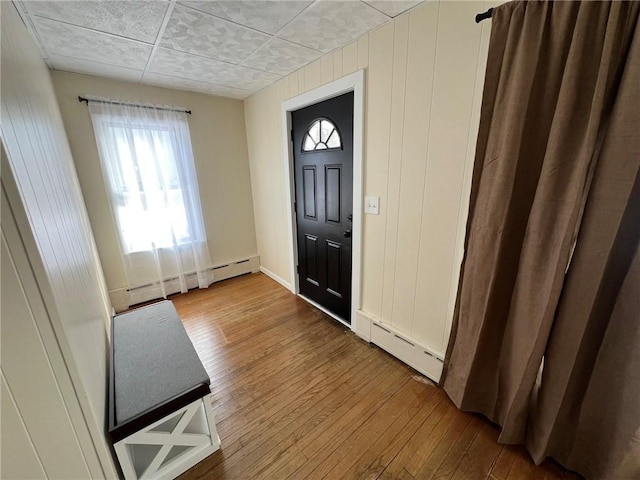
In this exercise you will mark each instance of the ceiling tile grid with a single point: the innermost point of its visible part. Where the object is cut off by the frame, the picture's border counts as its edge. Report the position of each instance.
(78, 65)
(281, 57)
(84, 44)
(392, 8)
(229, 48)
(194, 67)
(199, 33)
(139, 20)
(252, 13)
(328, 25)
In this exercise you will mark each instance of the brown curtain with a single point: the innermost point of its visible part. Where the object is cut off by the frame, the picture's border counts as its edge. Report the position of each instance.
(555, 191)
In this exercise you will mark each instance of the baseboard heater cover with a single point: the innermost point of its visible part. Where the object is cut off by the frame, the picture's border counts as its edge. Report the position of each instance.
(122, 298)
(400, 346)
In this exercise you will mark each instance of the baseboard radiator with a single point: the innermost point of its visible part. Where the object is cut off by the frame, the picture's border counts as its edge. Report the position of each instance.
(123, 298)
(398, 344)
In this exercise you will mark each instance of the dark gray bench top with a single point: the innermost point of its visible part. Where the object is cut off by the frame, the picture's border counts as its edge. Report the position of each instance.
(153, 364)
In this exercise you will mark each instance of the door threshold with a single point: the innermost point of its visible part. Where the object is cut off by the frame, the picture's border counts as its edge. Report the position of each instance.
(320, 307)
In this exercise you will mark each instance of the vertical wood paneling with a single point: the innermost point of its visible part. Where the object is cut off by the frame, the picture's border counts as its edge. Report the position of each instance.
(363, 52)
(453, 90)
(420, 69)
(285, 87)
(257, 112)
(265, 140)
(327, 68)
(40, 401)
(19, 457)
(337, 64)
(350, 58)
(293, 84)
(54, 224)
(273, 173)
(279, 171)
(396, 129)
(301, 81)
(313, 75)
(470, 156)
(424, 81)
(377, 155)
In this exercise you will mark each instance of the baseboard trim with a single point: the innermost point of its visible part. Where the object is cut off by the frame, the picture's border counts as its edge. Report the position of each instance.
(362, 325)
(275, 277)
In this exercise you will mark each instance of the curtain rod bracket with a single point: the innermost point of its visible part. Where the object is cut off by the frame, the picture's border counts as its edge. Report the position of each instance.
(483, 16)
(86, 100)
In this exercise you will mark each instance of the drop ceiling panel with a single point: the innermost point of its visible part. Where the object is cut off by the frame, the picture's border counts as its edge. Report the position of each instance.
(229, 92)
(81, 43)
(177, 83)
(223, 47)
(281, 57)
(193, 67)
(94, 68)
(253, 13)
(392, 8)
(134, 19)
(173, 82)
(193, 86)
(327, 25)
(199, 33)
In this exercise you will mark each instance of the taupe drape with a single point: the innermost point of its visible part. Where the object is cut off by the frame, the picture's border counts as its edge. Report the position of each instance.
(556, 167)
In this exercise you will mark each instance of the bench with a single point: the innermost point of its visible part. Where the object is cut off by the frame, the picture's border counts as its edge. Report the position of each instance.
(160, 417)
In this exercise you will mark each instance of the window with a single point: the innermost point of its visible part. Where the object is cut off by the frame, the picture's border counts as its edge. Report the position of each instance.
(323, 135)
(150, 177)
(148, 196)
(149, 171)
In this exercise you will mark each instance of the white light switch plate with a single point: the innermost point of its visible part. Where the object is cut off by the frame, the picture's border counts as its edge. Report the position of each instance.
(372, 205)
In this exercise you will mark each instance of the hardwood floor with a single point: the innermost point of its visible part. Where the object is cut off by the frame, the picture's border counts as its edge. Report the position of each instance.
(297, 395)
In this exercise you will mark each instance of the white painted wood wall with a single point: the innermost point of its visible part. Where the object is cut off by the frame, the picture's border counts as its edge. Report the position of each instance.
(37, 437)
(424, 80)
(55, 308)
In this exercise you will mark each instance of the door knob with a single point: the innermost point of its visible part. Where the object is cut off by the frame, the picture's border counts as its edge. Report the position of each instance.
(347, 233)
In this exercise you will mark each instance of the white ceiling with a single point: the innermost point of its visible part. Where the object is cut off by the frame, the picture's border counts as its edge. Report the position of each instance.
(219, 47)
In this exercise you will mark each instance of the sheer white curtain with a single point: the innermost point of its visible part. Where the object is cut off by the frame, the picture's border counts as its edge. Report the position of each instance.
(149, 171)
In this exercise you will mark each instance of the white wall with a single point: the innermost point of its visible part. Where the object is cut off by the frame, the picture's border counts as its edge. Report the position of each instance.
(424, 79)
(220, 150)
(44, 196)
(19, 457)
(37, 437)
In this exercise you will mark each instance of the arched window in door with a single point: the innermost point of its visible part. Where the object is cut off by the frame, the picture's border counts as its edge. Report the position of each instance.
(322, 135)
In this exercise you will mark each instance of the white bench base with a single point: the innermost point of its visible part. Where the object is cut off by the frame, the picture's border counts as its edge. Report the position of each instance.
(170, 446)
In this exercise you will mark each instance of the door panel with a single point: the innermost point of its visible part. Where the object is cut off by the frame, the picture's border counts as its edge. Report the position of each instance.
(311, 257)
(323, 164)
(334, 267)
(332, 193)
(309, 186)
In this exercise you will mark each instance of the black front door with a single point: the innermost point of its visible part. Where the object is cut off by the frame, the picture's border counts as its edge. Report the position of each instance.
(323, 159)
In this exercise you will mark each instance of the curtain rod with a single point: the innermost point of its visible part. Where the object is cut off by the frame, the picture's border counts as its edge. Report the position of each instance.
(483, 16)
(87, 100)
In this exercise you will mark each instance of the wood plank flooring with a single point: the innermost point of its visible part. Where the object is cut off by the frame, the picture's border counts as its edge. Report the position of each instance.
(297, 395)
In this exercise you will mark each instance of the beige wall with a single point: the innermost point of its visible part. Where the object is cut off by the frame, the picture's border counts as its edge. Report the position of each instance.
(424, 77)
(55, 309)
(220, 151)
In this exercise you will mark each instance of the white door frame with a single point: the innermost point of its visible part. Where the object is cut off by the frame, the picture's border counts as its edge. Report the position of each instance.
(351, 83)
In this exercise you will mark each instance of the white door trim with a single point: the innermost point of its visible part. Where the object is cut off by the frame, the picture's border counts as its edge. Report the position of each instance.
(351, 83)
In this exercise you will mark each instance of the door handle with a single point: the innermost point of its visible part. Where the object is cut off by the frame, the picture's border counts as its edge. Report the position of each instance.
(347, 233)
